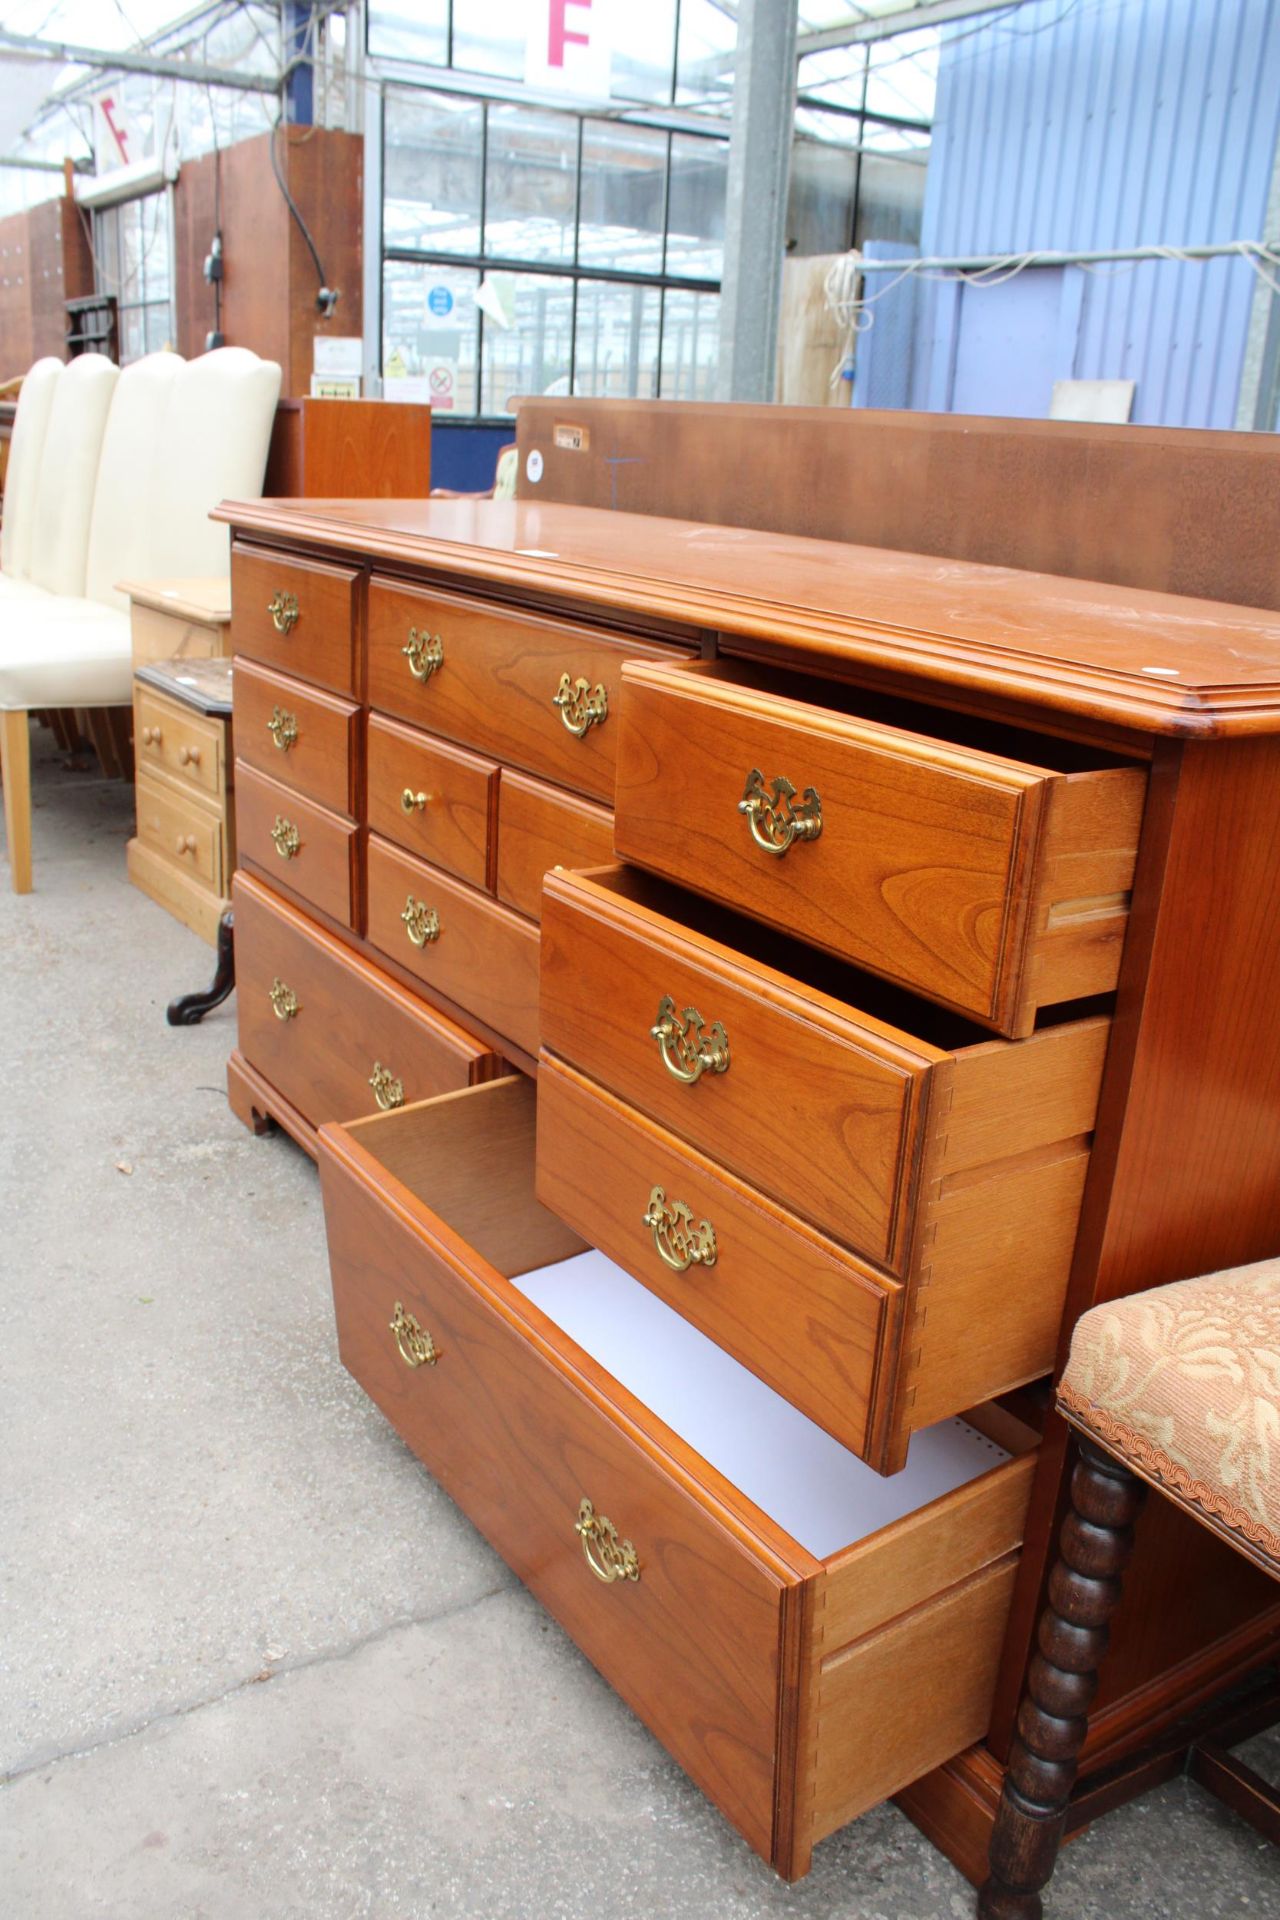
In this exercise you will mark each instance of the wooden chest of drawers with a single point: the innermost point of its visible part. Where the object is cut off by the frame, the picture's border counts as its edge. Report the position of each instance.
(898, 1037)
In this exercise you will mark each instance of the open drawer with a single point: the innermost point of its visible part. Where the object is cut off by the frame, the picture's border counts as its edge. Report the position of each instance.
(803, 1635)
(984, 866)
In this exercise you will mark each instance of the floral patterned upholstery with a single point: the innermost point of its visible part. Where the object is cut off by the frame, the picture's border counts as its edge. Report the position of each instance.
(1183, 1385)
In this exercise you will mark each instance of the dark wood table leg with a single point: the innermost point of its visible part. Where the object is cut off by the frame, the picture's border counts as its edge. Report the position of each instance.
(190, 1008)
(1084, 1588)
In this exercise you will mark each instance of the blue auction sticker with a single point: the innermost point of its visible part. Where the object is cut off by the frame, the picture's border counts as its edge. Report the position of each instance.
(440, 300)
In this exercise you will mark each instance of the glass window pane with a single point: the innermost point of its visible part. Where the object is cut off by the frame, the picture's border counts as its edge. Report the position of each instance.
(158, 326)
(699, 181)
(490, 38)
(708, 41)
(643, 51)
(616, 349)
(430, 326)
(532, 354)
(624, 172)
(410, 30)
(690, 345)
(133, 337)
(431, 178)
(530, 181)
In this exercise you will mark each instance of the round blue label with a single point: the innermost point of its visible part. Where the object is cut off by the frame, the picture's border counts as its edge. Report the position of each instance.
(440, 300)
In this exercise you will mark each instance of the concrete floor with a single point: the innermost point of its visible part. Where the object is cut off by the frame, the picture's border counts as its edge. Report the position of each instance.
(253, 1664)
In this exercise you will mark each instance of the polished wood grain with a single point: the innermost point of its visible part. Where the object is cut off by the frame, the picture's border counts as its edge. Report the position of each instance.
(1177, 510)
(456, 827)
(345, 449)
(724, 1645)
(349, 1018)
(540, 827)
(953, 629)
(496, 688)
(319, 646)
(185, 745)
(804, 1315)
(929, 860)
(182, 828)
(323, 869)
(316, 754)
(485, 959)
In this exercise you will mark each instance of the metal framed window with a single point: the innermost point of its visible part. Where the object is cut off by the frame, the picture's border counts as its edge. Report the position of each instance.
(133, 259)
(534, 249)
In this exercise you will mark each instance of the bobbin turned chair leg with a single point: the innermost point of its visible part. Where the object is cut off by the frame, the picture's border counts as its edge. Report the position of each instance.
(1084, 1588)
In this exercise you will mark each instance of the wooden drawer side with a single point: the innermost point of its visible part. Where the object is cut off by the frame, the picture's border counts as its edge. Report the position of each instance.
(540, 827)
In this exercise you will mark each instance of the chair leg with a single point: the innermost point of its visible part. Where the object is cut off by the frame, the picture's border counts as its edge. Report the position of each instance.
(15, 769)
(1084, 1588)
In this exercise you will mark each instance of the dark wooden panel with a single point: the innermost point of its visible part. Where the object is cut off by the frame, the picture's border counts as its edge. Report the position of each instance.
(1171, 508)
(349, 449)
(325, 171)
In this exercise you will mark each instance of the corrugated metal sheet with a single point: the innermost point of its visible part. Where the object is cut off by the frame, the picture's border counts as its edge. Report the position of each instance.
(1107, 123)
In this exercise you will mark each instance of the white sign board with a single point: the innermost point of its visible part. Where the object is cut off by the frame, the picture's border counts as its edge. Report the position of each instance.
(569, 48)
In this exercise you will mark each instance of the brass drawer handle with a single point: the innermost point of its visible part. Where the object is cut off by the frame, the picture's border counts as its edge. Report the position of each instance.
(689, 1048)
(186, 843)
(151, 736)
(387, 1090)
(422, 923)
(425, 653)
(678, 1240)
(608, 1557)
(188, 756)
(417, 1348)
(581, 705)
(774, 822)
(283, 728)
(287, 838)
(284, 1001)
(411, 802)
(283, 608)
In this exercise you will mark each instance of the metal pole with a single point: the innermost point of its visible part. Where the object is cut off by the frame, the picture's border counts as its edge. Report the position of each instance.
(764, 111)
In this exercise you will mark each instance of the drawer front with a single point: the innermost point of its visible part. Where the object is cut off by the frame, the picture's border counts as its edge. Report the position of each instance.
(785, 1301)
(182, 829)
(331, 1033)
(498, 680)
(783, 1085)
(301, 845)
(188, 747)
(538, 828)
(297, 615)
(479, 955)
(437, 801)
(909, 856)
(296, 734)
(692, 1645)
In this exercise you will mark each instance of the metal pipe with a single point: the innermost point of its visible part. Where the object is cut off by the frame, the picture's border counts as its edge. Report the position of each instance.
(1097, 256)
(22, 47)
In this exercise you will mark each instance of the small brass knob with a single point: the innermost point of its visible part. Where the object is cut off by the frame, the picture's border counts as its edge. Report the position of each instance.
(287, 838)
(283, 608)
(608, 1557)
(417, 1348)
(581, 705)
(411, 802)
(424, 652)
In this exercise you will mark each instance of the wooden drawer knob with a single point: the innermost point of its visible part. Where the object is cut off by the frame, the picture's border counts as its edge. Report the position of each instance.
(287, 838)
(186, 843)
(608, 1557)
(151, 736)
(774, 822)
(688, 1047)
(417, 1348)
(680, 1242)
(581, 705)
(188, 756)
(283, 608)
(424, 652)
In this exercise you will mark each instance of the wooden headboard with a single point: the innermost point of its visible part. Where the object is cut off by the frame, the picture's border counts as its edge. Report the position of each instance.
(1176, 509)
